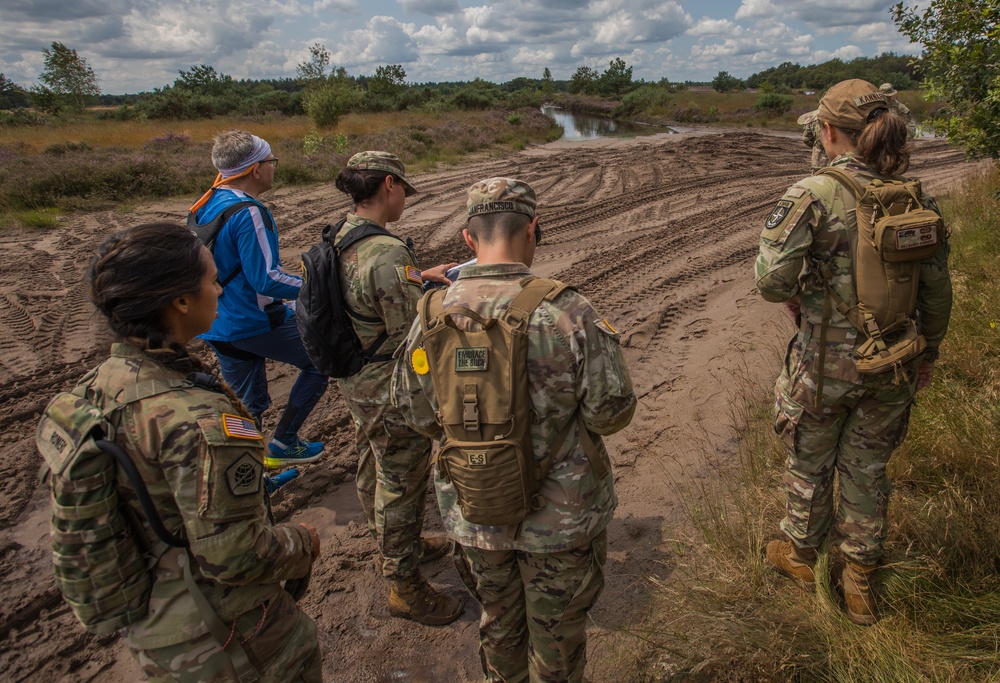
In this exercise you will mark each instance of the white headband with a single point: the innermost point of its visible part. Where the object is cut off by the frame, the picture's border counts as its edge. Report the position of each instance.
(261, 150)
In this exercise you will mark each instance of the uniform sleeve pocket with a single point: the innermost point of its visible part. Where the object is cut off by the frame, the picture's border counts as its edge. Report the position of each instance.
(617, 378)
(230, 482)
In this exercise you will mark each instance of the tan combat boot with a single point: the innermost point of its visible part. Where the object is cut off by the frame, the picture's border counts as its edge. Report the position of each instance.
(859, 595)
(433, 547)
(794, 562)
(414, 598)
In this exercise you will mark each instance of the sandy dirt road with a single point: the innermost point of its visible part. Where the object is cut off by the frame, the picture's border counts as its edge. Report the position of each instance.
(659, 233)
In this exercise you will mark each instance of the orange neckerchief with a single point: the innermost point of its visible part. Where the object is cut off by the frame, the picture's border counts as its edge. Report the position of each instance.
(219, 181)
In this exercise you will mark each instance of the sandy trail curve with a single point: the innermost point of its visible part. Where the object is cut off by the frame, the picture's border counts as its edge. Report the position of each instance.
(659, 233)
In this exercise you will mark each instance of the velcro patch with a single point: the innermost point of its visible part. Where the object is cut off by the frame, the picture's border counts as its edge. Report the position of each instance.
(244, 475)
(779, 214)
(476, 458)
(472, 359)
(914, 238)
(237, 427)
(413, 275)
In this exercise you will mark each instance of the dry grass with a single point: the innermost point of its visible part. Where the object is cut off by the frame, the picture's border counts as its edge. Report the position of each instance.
(729, 617)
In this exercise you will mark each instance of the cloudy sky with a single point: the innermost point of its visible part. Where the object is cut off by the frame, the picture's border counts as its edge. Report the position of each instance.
(136, 45)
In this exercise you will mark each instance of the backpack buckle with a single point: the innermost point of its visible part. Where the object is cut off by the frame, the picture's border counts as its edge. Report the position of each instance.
(470, 408)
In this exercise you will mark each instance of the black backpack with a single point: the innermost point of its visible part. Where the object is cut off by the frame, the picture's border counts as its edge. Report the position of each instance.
(207, 232)
(323, 318)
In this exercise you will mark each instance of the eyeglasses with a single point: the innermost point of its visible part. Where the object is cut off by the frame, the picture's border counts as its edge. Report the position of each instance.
(271, 161)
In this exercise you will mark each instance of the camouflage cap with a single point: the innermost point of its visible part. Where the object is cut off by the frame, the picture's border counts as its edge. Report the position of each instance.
(849, 104)
(808, 117)
(501, 195)
(381, 161)
(887, 89)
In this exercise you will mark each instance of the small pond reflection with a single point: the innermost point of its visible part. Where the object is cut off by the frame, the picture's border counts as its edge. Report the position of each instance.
(586, 127)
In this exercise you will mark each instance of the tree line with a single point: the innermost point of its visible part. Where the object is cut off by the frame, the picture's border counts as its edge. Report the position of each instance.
(952, 32)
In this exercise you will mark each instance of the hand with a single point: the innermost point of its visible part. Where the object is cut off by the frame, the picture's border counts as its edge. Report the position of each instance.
(793, 307)
(314, 536)
(925, 373)
(437, 273)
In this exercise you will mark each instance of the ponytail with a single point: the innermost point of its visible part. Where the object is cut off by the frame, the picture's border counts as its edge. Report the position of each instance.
(883, 144)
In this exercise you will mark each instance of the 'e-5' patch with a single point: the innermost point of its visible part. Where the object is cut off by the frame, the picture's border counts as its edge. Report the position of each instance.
(472, 359)
(779, 214)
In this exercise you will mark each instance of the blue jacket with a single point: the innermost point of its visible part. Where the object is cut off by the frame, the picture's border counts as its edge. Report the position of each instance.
(248, 239)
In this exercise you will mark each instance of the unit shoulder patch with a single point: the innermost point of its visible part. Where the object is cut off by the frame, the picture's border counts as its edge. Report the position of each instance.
(244, 475)
(778, 214)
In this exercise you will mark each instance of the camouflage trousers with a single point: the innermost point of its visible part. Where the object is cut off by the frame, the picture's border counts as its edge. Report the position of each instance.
(533, 625)
(849, 436)
(281, 644)
(393, 463)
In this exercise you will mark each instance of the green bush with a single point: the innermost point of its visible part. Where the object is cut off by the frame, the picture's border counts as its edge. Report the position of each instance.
(326, 104)
(773, 104)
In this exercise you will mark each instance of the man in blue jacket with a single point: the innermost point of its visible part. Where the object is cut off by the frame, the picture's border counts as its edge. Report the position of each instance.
(253, 323)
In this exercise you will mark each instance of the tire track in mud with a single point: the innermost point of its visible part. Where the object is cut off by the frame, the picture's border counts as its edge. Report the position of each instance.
(649, 230)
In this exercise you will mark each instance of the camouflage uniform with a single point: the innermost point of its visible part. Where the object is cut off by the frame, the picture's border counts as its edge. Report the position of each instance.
(536, 581)
(904, 112)
(854, 426)
(188, 462)
(380, 279)
(817, 158)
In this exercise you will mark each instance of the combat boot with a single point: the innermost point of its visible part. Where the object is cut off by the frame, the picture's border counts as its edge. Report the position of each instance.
(413, 598)
(433, 547)
(856, 580)
(794, 562)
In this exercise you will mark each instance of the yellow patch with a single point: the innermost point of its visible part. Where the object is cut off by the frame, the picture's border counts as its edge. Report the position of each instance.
(608, 325)
(413, 275)
(237, 427)
(418, 359)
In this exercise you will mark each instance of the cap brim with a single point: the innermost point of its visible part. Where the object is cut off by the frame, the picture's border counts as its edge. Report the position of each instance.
(808, 117)
(409, 189)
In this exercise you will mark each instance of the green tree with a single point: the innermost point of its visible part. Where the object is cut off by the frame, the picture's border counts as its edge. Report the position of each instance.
(326, 102)
(388, 80)
(960, 65)
(582, 81)
(204, 80)
(11, 94)
(723, 82)
(68, 75)
(548, 85)
(315, 69)
(617, 80)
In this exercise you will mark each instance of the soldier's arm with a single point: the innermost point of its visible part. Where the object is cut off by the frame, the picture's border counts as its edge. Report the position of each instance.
(217, 484)
(394, 289)
(784, 244)
(412, 390)
(604, 386)
(934, 294)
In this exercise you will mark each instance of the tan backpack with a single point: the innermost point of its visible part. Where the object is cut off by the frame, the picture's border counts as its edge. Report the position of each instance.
(894, 234)
(481, 384)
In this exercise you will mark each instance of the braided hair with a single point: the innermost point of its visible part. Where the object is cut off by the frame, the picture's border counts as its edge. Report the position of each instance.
(135, 275)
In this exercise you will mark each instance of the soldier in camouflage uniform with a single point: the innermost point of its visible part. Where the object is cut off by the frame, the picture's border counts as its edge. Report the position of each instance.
(537, 580)
(900, 108)
(852, 428)
(810, 136)
(382, 285)
(201, 458)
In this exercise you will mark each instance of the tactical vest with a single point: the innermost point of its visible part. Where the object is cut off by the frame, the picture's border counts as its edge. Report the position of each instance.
(103, 558)
(480, 381)
(892, 234)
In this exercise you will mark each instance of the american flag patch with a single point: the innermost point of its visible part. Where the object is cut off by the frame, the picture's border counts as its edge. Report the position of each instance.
(237, 427)
(413, 275)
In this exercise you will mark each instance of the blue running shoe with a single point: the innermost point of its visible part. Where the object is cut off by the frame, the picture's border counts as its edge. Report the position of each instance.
(298, 453)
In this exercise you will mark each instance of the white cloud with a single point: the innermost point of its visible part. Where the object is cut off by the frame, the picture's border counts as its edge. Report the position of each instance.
(714, 27)
(384, 40)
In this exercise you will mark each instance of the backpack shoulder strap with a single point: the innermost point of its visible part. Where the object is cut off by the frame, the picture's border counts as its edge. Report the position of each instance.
(358, 233)
(845, 179)
(534, 290)
(431, 308)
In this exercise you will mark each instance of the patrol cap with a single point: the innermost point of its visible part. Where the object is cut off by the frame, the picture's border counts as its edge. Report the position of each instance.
(501, 195)
(381, 161)
(849, 104)
(807, 118)
(887, 89)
